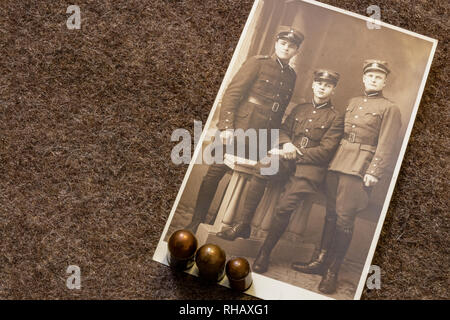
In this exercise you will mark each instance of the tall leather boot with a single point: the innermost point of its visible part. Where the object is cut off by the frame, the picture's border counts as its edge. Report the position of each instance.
(342, 242)
(205, 196)
(279, 225)
(319, 263)
(242, 229)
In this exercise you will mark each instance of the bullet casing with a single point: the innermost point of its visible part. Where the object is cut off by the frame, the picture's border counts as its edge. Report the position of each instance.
(182, 246)
(239, 274)
(210, 260)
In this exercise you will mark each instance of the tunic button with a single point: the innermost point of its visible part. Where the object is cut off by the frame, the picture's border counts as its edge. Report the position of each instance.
(372, 171)
(323, 127)
(314, 111)
(281, 83)
(226, 127)
(374, 165)
(374, 114)
(377, 159)
(360, 108)
(365, 100)
(267, 80)
(353, 126)
(310, 120)
(229, 112)
(356, 117)
(296, 119)
(307, 130)
(270, 118)
(227, 120)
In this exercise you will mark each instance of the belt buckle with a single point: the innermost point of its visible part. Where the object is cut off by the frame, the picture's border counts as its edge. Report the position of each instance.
(275, 106)
(304, 142)
(352, 137)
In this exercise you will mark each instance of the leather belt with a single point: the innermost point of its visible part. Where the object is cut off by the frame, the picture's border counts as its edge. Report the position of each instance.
(353, 138)
(264, 102)
(306, 142)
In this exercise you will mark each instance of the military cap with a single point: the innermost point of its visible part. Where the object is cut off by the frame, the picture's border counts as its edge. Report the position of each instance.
(377, 65)
(326, 75)
(290, 34)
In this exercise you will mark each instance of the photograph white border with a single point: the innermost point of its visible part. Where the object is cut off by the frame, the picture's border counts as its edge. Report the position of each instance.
(281, 290)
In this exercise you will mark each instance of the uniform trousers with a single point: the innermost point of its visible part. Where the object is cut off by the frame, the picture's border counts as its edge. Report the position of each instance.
(346, 196)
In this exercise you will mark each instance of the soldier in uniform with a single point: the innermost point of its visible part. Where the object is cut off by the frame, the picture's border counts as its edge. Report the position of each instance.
(372, 123)
(256, 98)
(309, 138)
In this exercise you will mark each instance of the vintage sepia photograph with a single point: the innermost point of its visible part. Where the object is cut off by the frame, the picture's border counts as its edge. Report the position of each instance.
(327, 98)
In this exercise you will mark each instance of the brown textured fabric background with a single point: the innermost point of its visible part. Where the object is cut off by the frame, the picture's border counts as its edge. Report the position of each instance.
(85, 123)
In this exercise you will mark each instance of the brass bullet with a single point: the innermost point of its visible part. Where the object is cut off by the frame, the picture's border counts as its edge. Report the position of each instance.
(210, 260)
(182, 246)
(239, 274)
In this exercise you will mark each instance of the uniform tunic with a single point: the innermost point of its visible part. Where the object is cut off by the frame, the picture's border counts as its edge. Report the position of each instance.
(371, 127)
(372, 123)
(316, 130)
(258, 95)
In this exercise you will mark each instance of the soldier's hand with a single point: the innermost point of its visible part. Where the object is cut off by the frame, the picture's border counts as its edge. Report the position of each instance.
(289, 151)
(226, 136)
(369, 180)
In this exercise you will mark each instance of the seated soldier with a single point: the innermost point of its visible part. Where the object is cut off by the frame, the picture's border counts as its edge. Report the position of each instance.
(308, 137)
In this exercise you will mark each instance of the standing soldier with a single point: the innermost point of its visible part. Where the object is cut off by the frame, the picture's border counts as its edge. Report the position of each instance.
(372, 123)
(256, 98)
(309, 136)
